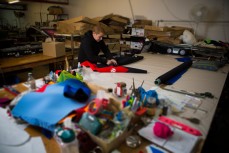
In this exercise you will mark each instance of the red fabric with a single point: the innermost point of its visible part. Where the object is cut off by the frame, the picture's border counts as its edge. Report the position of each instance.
(162, 130)
(79, 112)
(113, 69)
(42, 89)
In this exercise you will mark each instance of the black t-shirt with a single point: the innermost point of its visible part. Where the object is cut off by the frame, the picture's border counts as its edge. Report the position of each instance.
(90, 48)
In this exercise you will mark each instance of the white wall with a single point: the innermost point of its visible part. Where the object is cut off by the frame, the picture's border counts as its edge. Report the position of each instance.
(146, 9)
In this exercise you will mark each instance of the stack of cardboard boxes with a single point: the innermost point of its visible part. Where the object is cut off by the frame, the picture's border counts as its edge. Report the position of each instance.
(111, 23)
(114, 25)
(165, 34)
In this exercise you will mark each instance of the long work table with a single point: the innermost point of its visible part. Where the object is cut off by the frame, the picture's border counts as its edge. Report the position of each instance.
(194, 80)
(29, 61)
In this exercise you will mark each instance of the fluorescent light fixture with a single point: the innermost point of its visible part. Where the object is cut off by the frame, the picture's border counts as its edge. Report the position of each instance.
(13, 1)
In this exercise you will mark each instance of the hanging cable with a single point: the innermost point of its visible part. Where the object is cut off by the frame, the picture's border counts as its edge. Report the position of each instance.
(224, 17)
(41, 14)
(131, 9)
(167, 8)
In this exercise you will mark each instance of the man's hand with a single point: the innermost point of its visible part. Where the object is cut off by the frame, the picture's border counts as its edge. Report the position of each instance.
(112, 62)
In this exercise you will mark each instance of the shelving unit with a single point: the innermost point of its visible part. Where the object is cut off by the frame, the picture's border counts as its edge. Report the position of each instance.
(134, 41)
(137, 38)
(65, 36)
(58, 17)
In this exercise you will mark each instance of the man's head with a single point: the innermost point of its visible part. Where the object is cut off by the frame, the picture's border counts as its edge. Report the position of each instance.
(98, 33)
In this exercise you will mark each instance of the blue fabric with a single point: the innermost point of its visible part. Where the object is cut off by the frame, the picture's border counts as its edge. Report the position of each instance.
(146, 94)
(183, 59)
(80, 93)
(175, 78)
(155, 150)
(48, 108)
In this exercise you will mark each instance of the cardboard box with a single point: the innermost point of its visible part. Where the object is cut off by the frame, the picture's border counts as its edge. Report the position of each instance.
(156, 28)
(172, 33)
(73, 28)
(54, 49)
(108, 145)
(81, 19)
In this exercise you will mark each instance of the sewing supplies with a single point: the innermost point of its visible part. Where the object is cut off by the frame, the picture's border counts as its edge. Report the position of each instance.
(162, 130)
(90, 123)
(99, 103)
(194, 94)
(120, 89)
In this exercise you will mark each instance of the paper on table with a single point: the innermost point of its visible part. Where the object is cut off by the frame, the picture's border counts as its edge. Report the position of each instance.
(10, 134)
(35, 145)
(174, 99)
(147, 132)
(179, 142)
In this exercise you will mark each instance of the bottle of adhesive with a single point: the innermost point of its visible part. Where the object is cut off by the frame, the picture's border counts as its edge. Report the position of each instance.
(31, 81)
(67, 140)
(80, 69)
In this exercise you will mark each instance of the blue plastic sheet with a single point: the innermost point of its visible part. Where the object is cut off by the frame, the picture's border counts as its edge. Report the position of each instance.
(48, 108)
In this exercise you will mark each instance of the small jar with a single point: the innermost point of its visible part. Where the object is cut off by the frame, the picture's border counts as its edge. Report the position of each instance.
(31, 81)
(67, 140)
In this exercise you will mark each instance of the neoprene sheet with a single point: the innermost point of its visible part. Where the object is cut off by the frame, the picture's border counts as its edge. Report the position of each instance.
(47, 108)
(174, 74)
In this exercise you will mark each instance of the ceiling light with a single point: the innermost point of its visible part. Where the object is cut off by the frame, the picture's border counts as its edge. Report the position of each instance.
(13, 1)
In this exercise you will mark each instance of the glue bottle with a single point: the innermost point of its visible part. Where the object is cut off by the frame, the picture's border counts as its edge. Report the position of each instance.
(79, 72)
(31, 81)
(67, 140)
(80, 69)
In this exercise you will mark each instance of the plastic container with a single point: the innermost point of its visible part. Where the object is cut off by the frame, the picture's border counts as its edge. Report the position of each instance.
(31, 81)
(67, 140)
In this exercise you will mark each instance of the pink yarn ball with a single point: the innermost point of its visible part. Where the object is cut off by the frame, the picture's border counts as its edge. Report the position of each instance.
(162, 130)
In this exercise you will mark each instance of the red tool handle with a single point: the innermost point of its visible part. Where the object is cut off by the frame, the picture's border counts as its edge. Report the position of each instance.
(179, 125)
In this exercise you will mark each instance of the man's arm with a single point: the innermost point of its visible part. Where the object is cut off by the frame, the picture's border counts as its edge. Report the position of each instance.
(107, 53)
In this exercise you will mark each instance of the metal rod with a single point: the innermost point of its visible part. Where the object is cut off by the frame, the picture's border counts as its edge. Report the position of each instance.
(204, 21)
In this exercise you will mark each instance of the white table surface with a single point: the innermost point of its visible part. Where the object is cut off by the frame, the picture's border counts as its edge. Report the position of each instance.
(194, 80)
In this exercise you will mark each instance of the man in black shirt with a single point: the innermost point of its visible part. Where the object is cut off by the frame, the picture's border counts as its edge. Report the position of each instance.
(92, 44)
